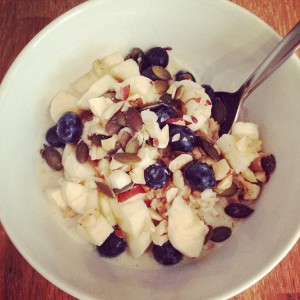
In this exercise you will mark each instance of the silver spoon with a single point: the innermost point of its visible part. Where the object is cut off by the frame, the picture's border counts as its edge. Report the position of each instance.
(228, 105)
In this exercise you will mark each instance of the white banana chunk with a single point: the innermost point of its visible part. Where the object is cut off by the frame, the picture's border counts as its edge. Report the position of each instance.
(73, 170)
(248, 129)
(125, 70)
(79, 197)
(108, 61)
(221, 169)
(140, 87)
(101, 86)
(186, 231)
(82, 84)
(55, 195)
(105, 208)
(94, 227)
(119, 179)
(62, 103)
(137, 245)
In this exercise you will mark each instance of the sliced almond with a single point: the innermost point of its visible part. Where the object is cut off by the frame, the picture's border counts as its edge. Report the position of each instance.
(179, 92)
(124, 139)
(120, 119)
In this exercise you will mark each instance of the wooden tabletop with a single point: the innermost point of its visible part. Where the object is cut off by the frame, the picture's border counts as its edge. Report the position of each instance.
(20, 20)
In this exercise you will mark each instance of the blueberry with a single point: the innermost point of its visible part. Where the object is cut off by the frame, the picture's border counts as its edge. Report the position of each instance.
(156, 175)
(149, 74)
(209, 91)
(157, 56)
(199, 176)
(52, 138)
(166, 254)
(113, 246)
(184, 75)
(69, 128)
(164, 113)
(181, 138)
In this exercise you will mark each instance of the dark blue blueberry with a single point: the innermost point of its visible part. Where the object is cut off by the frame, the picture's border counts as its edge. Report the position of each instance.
(166, 254)
(156, 175)
(149, 74)
(199, 176)
(53, 139)
(184, 75)
(164, 113)
(209, 91)
(69, 128)
(157, 56)
(181, 138)
(113, 246)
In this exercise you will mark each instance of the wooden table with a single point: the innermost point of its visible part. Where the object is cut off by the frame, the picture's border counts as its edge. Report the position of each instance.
(20, 20)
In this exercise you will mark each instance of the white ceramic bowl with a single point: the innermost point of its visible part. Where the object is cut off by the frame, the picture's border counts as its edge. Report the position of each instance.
(223, 43)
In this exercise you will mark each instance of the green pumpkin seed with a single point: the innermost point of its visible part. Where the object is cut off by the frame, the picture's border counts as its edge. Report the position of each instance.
(82, 152)
(161, 73)
(161, 86)
(52, 158)
(133, 119)
(105, 189)
(112, 128)
(218, 111)
(209, 234)
(238, 210)
(209, 148)
(220, 234)
(127, 158)
(132, 146)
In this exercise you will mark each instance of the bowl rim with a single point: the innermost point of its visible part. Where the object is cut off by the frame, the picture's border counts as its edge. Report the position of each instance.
(4, 85)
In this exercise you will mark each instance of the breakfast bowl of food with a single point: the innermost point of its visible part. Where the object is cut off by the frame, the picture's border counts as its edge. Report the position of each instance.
(119, 182)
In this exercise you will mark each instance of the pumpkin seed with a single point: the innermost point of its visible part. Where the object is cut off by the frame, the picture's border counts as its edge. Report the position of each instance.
(97, 138)
(268, 163)
(52, 157)
(218, 111)
(161, 86)
(220, 234)
(238, 210)
(208, 148)
(127, 158)
(179, 92)
(105, 189)
(134, 119)
(120, 119)
(209, 234)
(111, 127)
(232, 190)
(124, 189)
(138, 55)
(125, 137)
(161, 73)
(132, 146)
(82, 152)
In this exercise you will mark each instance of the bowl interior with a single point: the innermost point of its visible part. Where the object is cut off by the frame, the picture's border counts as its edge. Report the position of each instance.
(222, 44)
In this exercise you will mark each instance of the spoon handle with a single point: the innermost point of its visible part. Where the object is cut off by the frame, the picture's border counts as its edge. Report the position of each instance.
(276, 58)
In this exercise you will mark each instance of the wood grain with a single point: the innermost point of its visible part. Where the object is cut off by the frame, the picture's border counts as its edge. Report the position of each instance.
(20, 20)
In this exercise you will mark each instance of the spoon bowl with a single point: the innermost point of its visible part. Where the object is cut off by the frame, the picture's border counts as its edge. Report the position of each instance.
(228, 105)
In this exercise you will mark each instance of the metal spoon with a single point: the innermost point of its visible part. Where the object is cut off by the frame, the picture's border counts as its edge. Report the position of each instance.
(228, 105)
